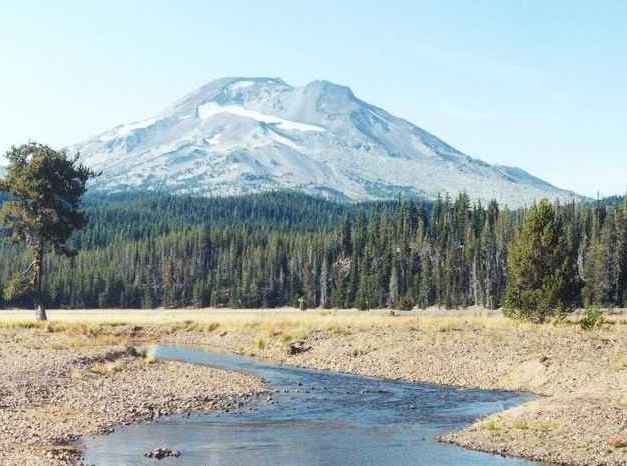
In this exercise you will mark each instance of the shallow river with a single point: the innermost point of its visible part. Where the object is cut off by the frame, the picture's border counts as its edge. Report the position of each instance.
(316, 418)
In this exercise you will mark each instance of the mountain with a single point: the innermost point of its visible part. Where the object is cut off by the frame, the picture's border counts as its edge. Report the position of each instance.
(245, 135)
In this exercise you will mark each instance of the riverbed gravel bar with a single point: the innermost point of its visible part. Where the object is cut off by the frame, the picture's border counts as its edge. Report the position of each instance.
(55, 389)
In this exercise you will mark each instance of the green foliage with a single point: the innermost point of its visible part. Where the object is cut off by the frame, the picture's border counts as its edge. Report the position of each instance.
(42, 211)
(541, 270)
(45, 189)
(406, 303)
(606, 257)
(17, 287)
(271, 249)
(592, 318)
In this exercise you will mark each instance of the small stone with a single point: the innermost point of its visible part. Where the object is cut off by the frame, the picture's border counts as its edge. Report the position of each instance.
(160, 453)
(297, 347)
(619, 440)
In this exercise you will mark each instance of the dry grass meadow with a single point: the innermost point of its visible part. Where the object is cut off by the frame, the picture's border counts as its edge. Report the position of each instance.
(282, 320)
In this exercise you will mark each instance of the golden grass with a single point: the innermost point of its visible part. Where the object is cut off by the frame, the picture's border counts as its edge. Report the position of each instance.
(95, 327)
(260, 343)
(618, 361)
(534, 425)
(491, 425)
(111, 367)
(496, 423)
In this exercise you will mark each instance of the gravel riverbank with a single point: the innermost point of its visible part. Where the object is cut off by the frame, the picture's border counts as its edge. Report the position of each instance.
(55, 388)
(579, 417)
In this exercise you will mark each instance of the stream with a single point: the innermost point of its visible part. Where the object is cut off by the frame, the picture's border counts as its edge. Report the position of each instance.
(315, 418)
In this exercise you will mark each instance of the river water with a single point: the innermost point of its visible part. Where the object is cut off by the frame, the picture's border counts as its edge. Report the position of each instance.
(315, 418)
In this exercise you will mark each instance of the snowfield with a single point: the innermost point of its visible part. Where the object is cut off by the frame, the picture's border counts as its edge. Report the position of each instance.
(210, 109)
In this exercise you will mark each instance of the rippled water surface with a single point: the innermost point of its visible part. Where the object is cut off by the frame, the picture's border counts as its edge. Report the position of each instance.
(316, 418)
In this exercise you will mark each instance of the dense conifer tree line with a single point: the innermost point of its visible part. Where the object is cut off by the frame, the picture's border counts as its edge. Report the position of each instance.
(273, 249)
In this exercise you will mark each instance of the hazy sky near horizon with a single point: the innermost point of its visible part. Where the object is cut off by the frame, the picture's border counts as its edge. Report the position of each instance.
(534, 84)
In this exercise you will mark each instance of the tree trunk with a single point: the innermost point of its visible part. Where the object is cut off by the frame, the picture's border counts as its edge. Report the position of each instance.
(41, 312)
(40, 301)
(475, 281)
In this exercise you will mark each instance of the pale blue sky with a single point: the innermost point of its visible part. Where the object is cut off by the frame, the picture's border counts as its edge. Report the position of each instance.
(536, 84)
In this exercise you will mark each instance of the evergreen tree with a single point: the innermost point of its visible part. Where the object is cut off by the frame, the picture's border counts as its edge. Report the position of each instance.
(324, 283)
(43, 210)
(393, 293)
(542, 277)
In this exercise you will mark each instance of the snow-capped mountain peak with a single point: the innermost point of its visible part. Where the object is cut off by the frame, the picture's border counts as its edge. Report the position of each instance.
(240, 135)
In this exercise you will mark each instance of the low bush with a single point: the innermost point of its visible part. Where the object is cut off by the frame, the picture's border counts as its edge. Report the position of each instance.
(592, 318)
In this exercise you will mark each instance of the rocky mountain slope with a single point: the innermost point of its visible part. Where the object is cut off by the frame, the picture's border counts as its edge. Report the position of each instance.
(244, 135)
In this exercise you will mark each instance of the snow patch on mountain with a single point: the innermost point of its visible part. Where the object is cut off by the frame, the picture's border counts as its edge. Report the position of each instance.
(242, 85)
(124, 130)
(210, 109)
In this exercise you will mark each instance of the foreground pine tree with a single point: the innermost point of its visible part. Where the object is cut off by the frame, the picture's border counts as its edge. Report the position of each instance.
(45, 189)
(542, 277)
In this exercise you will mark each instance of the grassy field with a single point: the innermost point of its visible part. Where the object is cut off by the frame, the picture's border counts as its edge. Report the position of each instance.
(250, 331)
(289, 323)
(320, 319)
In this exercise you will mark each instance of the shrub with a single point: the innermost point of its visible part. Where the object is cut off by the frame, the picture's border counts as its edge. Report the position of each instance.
(406, 303)
(592, 318)
(490, 425)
